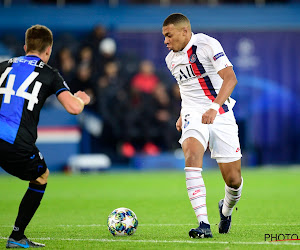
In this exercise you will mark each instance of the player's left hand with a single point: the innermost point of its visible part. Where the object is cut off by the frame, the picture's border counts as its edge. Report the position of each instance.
(209, 116)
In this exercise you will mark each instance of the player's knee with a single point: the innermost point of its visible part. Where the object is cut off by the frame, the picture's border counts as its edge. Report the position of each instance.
(192, 159)
(234, 181)
(43, 178)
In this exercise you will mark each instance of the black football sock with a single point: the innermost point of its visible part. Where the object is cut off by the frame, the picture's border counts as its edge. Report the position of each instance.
(28, 206)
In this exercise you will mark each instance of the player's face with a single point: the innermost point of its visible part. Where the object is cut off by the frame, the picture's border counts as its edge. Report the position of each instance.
(175, 37)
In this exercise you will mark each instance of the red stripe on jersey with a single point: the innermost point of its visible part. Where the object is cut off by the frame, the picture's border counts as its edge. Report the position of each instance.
(201, 80)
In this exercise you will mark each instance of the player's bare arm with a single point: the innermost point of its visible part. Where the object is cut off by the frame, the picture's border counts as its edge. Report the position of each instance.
(229, 82)
(74, 104)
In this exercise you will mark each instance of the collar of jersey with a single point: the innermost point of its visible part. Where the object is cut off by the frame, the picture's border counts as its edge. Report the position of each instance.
(32, 56)
(191, 42)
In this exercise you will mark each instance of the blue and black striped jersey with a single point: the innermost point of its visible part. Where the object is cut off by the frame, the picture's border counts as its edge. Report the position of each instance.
(25, 84)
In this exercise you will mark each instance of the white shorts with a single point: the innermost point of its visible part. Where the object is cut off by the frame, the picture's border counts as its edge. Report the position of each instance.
(221, 136)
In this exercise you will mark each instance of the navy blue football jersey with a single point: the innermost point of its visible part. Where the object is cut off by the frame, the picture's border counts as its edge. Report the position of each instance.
(25, 84)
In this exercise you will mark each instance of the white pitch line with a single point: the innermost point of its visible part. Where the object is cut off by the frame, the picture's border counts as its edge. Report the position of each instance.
(200, 241)
(150, 225)
(168, 225)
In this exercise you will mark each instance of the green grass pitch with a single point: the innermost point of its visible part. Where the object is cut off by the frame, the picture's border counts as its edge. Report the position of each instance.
(74, 210)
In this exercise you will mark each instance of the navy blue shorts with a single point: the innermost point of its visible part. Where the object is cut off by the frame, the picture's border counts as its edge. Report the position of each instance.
(24, 164)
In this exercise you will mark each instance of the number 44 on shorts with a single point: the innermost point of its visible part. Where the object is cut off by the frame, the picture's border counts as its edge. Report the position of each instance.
(8, 91)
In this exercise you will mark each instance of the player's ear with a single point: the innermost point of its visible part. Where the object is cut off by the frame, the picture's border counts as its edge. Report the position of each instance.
(25, 48)
(185, 30)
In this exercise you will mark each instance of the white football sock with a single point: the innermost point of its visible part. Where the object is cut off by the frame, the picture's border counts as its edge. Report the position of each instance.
(197, 192)
(232, 196)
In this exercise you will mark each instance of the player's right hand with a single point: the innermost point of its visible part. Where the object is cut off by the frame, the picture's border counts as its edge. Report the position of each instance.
(179, 124)
(83, 96)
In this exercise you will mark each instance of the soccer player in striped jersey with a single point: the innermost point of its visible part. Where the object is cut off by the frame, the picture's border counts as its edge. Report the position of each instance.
(25, 84)
(206, 80)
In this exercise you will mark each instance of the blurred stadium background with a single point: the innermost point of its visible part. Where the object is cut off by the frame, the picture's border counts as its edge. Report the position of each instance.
(114, 50)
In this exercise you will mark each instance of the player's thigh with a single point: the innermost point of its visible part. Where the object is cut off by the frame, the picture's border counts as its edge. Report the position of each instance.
(192, 126)
(224, 141)
(26, 165)
(194, 138)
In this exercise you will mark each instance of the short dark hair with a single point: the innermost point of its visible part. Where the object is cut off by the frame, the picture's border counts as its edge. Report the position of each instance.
(176, 18)
(38, 38)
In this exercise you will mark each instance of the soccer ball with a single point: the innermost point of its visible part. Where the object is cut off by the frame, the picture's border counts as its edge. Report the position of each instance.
(122, 221)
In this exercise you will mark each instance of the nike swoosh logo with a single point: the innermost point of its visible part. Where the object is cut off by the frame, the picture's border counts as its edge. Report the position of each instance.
(32, 157)
(19, 244)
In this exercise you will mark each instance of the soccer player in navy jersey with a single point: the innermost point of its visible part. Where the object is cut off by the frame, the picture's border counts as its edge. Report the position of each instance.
(25, 84)
(206, 80)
